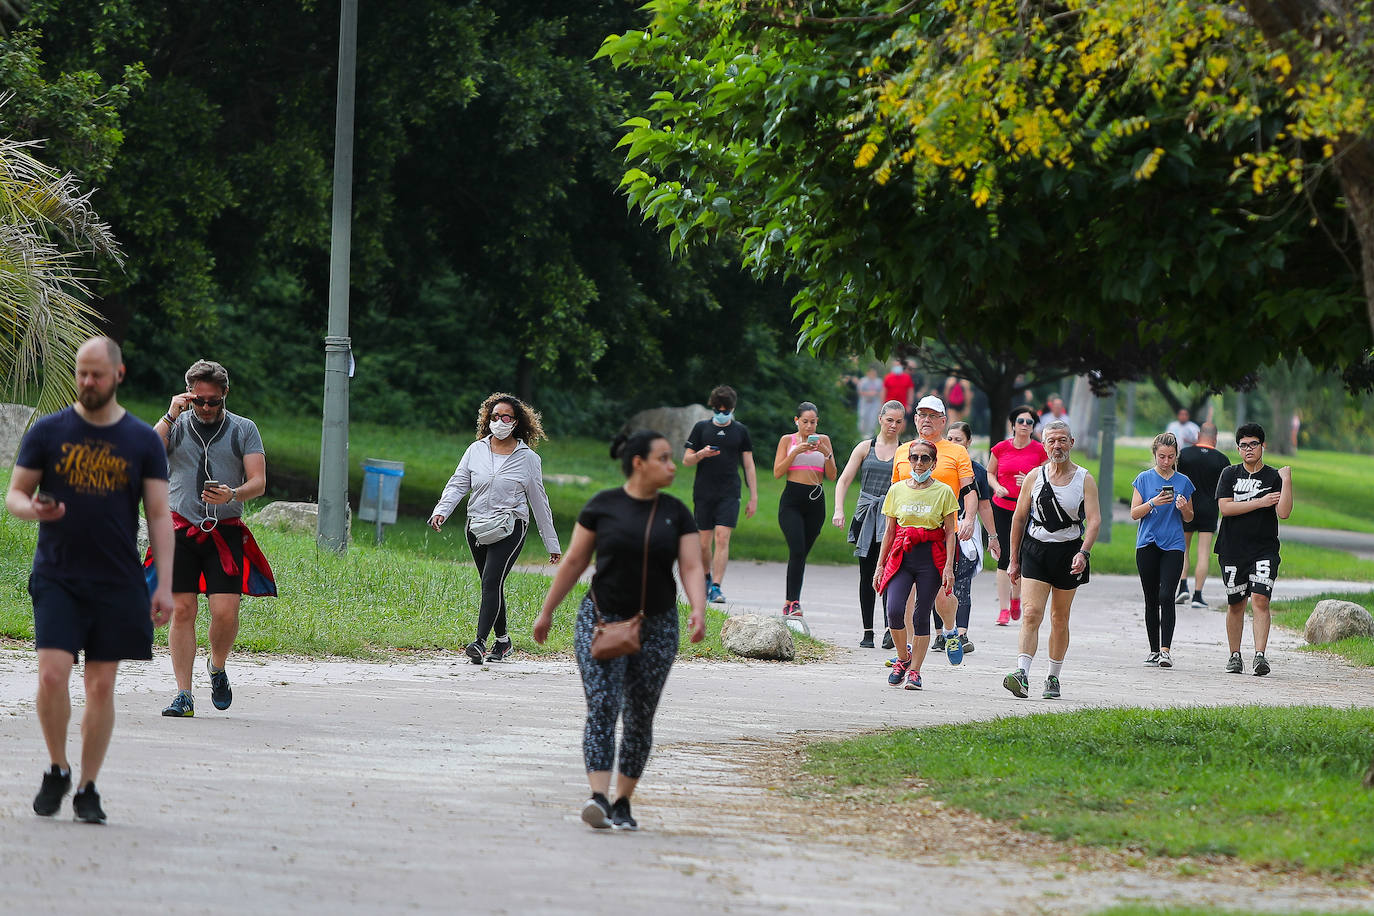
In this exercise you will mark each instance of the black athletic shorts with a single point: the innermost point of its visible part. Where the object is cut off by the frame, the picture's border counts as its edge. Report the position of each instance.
(1050, 562)
(1001, 519)
(191, 560)
(110, 622)
(1205, 518)
(712, 510)
(1243, 578)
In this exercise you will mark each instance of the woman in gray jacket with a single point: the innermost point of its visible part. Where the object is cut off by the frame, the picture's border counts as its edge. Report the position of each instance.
(505, 479)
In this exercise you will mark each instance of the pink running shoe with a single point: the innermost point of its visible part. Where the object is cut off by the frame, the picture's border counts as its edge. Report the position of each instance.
(1016, 611)
(1003, 617)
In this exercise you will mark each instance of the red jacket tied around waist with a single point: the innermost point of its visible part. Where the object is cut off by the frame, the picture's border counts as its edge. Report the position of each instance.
(904, 540)
(256, 576)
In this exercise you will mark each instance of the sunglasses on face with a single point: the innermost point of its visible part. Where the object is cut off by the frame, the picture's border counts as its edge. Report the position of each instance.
(207, 402)
(508, 417)
(1024, 421)
(922, 459)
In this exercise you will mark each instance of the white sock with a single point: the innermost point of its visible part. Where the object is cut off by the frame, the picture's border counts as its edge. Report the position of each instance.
(1056, 667)
(1024, 662)
(952, 634)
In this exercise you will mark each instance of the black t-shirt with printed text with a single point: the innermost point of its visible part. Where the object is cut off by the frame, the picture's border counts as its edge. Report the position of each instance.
(618, 520)
(98, 472)
(1256, 533)
(719, 474)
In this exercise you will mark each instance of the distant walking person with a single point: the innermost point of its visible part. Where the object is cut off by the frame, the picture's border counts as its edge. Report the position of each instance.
(1202, 464)
(1161, 501)
(1011, 461)
(506, 480)
(870, 391)
(957, 394)
(637, 532)
(718, 448)
(1184, 429)
(968, 558)
(1251, 497)
(80, 473)
(217, 464)
(806, 458)
(898, 386)
(1052, 533)
(871, 462)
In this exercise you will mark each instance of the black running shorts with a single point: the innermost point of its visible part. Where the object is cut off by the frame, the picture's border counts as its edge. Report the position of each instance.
(109, 621)
(716, 510)
(1050, 562)
(1243, 578)
(191, 560)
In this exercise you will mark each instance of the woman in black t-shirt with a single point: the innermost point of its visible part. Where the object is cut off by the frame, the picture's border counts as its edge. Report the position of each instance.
(612, 526)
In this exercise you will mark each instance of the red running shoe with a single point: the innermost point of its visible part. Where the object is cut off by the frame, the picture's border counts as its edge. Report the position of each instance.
(1003, 617)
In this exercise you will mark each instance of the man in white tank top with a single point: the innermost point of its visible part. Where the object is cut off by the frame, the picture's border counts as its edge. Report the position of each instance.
(1052, 532)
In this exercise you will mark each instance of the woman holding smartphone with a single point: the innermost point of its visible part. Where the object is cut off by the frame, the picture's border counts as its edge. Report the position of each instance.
(1161, 501)
(806, 458)
(1011, 460)
(506, 480)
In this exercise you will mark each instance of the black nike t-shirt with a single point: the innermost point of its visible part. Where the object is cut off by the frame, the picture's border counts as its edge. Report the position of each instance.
(618, 521)
(719, 474)
(1203, 466)
(1256, 533)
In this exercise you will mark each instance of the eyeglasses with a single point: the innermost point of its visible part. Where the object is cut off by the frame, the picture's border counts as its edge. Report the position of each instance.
(207, 402)
(1248, 445)
(922, 459)
(508, 417)
(1024, 421)
(928, 414)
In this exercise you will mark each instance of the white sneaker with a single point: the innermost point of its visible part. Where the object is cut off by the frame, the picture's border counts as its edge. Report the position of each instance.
(1152, 660)
(1181, 597)
(1200, 604)
(1164, 660)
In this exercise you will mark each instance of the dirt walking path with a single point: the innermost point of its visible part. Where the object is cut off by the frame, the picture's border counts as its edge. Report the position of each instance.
(439, 786)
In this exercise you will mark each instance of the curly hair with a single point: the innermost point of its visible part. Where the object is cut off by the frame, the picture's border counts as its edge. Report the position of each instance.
(527, 420)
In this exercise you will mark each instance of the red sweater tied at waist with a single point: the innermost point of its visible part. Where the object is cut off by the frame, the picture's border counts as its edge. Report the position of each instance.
(255, 577)
(904, 540)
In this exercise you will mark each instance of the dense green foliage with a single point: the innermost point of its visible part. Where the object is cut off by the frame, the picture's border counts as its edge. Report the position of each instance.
(490, 249)
(1277, 787)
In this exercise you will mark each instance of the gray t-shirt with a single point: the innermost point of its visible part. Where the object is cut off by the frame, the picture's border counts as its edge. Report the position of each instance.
(227, 442)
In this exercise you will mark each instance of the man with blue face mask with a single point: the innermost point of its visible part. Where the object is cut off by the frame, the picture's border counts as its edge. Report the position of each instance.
(717, 448)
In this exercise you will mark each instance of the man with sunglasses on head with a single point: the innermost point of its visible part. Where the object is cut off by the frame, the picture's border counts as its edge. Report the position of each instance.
(217, 463)
(1251, 497)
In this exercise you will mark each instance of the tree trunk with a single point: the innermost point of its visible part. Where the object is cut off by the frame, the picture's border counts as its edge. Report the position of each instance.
(524, 379)
(1355, 171)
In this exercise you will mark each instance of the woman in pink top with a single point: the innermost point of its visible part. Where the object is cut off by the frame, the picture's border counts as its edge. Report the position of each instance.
(805, 458)
(1011, 460)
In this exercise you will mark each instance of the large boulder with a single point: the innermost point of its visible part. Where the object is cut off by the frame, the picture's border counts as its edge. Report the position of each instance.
(756, 636)
(299, 518)
(674, 422)
(1333, 620)
(14, 419)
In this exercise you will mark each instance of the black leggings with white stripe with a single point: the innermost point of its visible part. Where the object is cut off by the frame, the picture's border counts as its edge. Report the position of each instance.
(625, 688)
(494, 562)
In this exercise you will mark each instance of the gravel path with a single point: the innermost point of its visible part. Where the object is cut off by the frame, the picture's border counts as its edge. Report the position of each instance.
(436, 785)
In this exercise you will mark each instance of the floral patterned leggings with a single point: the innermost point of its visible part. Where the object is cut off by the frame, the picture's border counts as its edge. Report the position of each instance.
(625, 688)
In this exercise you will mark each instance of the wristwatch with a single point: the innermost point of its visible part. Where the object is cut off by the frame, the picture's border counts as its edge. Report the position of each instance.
(233, 494)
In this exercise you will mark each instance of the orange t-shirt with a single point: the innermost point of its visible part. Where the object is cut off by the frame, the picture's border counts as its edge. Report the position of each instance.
(952, 465)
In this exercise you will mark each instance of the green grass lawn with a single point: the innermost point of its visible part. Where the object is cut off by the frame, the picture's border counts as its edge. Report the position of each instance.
(293, 454)
(1273, 787)
(1293, 614)
(365, 604)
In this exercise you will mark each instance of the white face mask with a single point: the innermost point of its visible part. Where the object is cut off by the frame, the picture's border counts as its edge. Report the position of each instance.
(502, 429)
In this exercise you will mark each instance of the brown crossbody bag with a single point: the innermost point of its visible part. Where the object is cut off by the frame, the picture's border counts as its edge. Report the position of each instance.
(622, 637)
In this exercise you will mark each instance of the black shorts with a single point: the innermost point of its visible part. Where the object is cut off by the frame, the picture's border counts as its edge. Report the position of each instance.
(1049, 561)
(1205, 518)
(111, 622)
(1001, 519)
(192, 560)
(713, 510)
(1243, 578)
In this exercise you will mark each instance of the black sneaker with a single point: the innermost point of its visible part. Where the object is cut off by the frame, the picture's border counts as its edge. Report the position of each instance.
(939, 644)
(56, 785)
(477, 651)
(597, 812)
(964, 641)
(867, 641)
(182, 706)
(1261, 665)
(220, 694)
(1182, 596)
(86, 805)
(1018, 683)
(620, 815)
(501, 649)
(1235, 664)
(1152, 660)
(887, 640)
(1051, 688)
